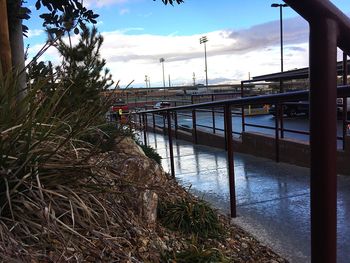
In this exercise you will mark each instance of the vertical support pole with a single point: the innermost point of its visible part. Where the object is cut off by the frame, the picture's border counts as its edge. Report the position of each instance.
(194, 126)
(154, 122)
(323, 142)
(140, 121)
(280, 116)
(281, 110)
(345, 99)
(277, 128)
(163, 113)
(213, 114)
(144, 122)
(171, 145)
(243, 115)
(176, 124)
(231, 169)
(225, 128)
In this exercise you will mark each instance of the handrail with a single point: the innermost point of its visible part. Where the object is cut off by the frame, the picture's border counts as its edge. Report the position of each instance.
(329, 29)
(216, 94)
(342, 91)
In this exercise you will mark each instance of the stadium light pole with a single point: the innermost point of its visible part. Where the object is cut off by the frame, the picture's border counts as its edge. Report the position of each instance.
(280, 110)
(161, 60)
(281, 29)
(146, 80)
(204, 40)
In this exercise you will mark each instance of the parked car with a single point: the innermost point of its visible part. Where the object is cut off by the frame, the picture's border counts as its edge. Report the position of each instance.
(292, 109)
(161, 105)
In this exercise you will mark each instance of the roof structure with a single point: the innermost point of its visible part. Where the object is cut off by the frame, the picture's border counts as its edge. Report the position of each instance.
(302, 73)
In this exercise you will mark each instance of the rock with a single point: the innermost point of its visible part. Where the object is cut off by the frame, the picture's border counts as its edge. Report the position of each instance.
(161, 244)
(244, 245)
(142, 249)
(148, 209)
(128, 146)
(144, 241)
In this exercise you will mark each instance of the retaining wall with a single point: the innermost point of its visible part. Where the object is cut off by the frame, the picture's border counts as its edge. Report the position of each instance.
(262, 145)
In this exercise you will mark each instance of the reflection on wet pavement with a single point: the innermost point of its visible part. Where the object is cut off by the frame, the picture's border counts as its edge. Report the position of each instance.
(272, 198)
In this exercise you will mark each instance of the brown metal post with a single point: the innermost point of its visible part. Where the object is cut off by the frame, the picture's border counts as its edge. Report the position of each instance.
(231, 169)
(154, 122)
(213, 114)
(164, 124)
(194, 127)
(323, 143)
(243, 115)
(175, 123)
(194, 124)
(345, 100)
(280, 116)
(144, 122)
(277, 139)
(171, 145)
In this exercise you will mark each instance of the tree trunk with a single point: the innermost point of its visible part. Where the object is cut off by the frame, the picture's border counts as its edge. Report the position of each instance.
(17, 54)
(17, 49)
(5, 48)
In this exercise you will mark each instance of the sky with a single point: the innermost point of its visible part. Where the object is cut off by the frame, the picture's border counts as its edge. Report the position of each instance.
(243, 39)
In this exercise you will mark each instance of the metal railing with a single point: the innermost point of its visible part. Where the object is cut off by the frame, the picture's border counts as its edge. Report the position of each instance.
(329, 29)
(169, 113)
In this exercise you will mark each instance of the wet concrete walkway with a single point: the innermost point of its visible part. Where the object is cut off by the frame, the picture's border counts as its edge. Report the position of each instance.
(273, 199)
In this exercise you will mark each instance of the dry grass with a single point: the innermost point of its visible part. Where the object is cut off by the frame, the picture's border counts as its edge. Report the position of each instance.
(62, 199)
(57, 204)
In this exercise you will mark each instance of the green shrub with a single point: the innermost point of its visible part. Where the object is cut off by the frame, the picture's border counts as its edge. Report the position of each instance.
(104, 135)
(48, 178)
(192, 217)
(150, 152)
(196, 255)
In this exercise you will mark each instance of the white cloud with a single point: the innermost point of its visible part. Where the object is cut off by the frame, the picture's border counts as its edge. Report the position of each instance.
(50, 54)
(35, 32)
(231, 54)
(102, 3)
